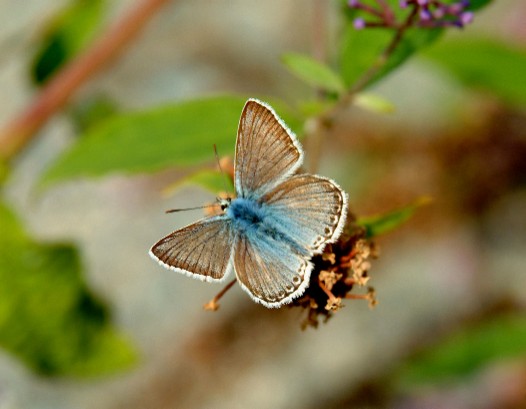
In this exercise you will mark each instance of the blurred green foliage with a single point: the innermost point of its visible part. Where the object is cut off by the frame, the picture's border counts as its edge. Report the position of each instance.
(383, 223)
(374, 103)
(48, 318)
(211, 180)
(468, 350)
(477, 4)
(92, 110)
(67, 34)
(362, 49)
(314, 72)
(484, 64)
(180, 134)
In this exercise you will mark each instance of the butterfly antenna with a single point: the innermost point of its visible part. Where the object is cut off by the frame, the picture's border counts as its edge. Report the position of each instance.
(208, 205)
(190, 208)
(220, 168)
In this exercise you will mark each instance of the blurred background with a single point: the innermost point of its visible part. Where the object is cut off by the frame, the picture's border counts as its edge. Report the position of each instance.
(450, 327)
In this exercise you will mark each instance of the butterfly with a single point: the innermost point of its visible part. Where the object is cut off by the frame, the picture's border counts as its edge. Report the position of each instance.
(277, 222)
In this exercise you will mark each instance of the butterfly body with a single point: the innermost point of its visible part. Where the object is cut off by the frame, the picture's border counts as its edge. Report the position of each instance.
(246, 214)
(269, 232)
(254, 219)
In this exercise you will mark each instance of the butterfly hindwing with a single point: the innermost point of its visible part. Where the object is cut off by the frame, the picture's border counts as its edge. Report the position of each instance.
(270, 271)
(267, 152)
(311, 209)
(202, 249)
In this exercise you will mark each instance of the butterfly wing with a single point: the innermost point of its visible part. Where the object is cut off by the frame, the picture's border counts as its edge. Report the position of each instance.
(200, 250)
(267, 152)
(269, 270)
(310, 209)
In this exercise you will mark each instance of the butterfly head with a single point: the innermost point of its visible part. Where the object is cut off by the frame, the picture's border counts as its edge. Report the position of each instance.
(224, 203)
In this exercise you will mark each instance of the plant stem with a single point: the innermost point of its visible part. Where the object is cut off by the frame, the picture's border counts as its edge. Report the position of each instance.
(16, 134)
(384, 57)
(380, 62)
(319, 51)
(213, 305)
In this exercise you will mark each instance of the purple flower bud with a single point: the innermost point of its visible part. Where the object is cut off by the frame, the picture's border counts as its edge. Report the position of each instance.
(438, 14)
(353, 3)
(359, 23)
(466, 17)
(403, 4)
(422, 2)
(425, 15)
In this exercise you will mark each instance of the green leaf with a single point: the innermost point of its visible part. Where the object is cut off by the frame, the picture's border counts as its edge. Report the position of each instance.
(310, 108)
(69, 33)
(181, 134)
(478, 4)
(92, 110)
(361, 51)
(48, 318)
(211, 180)
(373, 103)
(485, 64)
(380, 224)
(4, 171)
(314, 72)
(467, 351)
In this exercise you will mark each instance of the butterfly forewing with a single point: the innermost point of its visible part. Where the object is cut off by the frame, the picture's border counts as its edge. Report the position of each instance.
(201, 250)
(267, 152)
(309, 208)
(269, 270)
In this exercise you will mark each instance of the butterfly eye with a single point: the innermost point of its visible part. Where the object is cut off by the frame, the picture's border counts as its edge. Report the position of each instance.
(225, 203)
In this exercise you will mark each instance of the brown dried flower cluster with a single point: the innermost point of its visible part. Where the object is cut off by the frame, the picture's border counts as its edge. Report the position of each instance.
(342, 266)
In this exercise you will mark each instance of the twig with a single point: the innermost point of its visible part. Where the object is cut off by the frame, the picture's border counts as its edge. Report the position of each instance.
(384, 57)
(213, 305)
(61, 87)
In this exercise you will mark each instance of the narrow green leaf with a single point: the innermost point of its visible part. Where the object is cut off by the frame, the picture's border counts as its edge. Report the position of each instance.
(380, 224)
(374, 103)
(91, 110)
(48, 318)
(175, 135)
(69, 33)
(310, 108)
(467, 351)
(314, 72)
(485, 64)
(211, 180)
